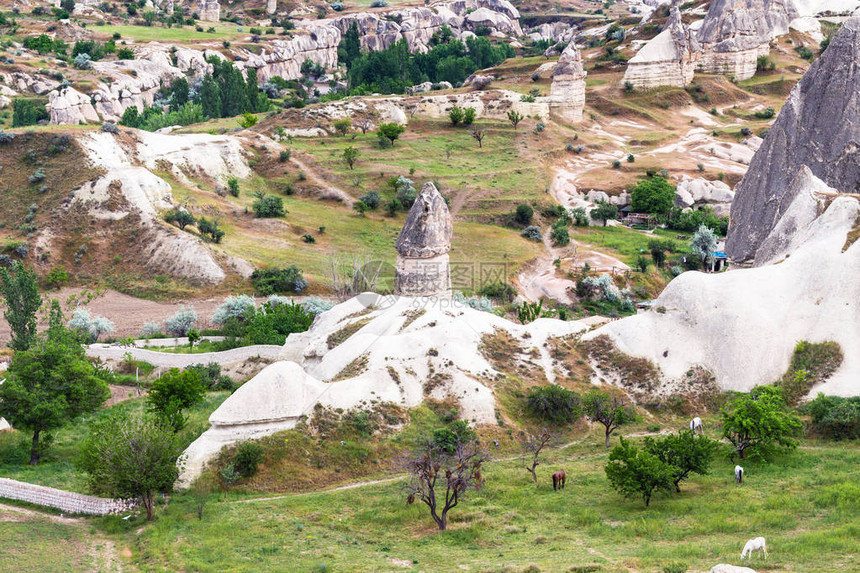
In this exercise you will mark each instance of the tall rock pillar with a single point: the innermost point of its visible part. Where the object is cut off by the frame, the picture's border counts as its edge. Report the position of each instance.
(422, 267)
(567, 92)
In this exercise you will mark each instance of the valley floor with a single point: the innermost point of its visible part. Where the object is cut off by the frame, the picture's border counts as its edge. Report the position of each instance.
(804, 503)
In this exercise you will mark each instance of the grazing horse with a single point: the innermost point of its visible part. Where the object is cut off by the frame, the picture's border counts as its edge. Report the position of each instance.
(756, 544)
(558, 479)
(739, 474)
(697, 426)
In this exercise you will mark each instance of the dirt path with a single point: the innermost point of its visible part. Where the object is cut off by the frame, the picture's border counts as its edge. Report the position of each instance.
(316, 178)
(539, 280)
(170, 360)
(338, 488)
(103, 552)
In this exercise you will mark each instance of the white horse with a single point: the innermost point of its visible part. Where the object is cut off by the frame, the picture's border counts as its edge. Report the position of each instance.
(697, 426)
(756, 544)
(739, 474)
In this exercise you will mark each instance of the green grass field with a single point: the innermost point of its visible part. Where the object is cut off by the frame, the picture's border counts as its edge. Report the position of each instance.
(804, 503)
(181, 35)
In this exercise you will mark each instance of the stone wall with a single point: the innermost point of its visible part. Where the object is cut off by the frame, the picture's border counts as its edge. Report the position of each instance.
(68, 501)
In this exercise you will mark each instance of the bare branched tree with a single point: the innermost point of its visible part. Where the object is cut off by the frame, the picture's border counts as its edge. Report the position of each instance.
(441, 479)
(533, 447)
(478, 134)
(364, 125)
(354, 273)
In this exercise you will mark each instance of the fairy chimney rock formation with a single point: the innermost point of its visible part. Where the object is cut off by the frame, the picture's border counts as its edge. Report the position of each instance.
(209, 10)
(567, 91)
(818, 128)
(669, 59)
(735, 33)
(422, 267)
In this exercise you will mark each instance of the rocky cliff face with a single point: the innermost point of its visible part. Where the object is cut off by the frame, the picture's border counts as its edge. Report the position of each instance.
(209, 10)
(819, 127)
(567, 91)
(418, 24)
(735, 33)
(670, 59)
(284, 57)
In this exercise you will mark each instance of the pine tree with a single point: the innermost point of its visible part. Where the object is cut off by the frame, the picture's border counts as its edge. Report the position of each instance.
(210, 97)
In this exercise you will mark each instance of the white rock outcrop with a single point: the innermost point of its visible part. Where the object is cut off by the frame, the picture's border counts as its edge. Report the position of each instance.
(567, 91)
(735, 33)
(69, 106)
(743, 325)
(404, 350)
(669, 59)
(699, 192)
(209, 10)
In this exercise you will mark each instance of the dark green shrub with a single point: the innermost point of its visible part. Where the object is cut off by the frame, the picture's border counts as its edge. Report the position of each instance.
(248, 457)
(524, 214)
(278, 281)
(554, 404)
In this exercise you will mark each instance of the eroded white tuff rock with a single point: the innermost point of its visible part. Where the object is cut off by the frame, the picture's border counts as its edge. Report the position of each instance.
(735, 33)
(699, 192)
(285, 57)
(402, 343)
(209, 10)
(669, 59)
(567, 91)
(819, 128)
(132, 82)
(128, 165)
(418, 24)
(743, 325)
(723, 568)
(69, 106)
(423, 267)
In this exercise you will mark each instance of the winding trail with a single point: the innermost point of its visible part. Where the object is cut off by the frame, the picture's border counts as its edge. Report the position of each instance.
(316, 178)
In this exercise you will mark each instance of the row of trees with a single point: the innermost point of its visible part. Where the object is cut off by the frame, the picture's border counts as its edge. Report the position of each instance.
(394, 69)
(226, 92)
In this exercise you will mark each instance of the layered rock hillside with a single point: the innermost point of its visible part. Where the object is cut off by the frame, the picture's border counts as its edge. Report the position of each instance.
(669, 59)
(736, 32)
(817, 128)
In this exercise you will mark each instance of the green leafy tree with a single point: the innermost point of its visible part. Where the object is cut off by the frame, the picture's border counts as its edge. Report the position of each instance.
(390, 131)
(342, 126)
(350, 155)
(179, 93)
(515, 118)
(469, 115)
(559, 234)
(604, 212)
(759, 422)
(174, 392)
(19, 291)
(633, 472)
(456, 114)
(350, 46)
(654, 195)
(49, 385)
(685, 451)
(524, 214)
(131, 458)
(193, 338)
(181, 217)
(248, 120)
(608, 411)
(269, 206)
(658, 252)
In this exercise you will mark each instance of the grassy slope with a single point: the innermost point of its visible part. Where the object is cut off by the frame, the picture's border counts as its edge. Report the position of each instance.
(804, 504)
(57, 468)
(42, 546)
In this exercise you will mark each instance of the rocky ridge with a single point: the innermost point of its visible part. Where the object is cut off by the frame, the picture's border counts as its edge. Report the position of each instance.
(817, 128)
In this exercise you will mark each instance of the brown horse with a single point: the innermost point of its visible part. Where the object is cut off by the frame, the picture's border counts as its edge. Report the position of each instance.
(558, 479)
